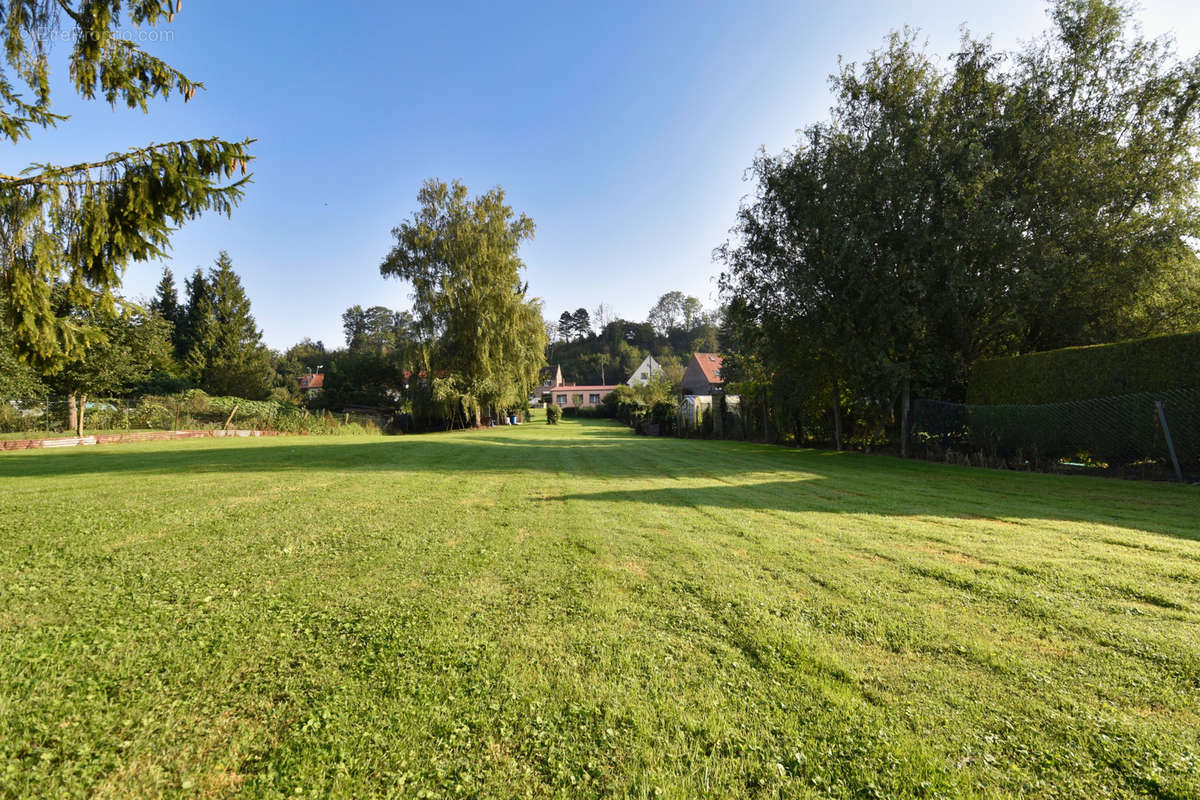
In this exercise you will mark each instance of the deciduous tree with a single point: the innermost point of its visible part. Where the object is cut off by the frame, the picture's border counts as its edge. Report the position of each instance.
(462, 256)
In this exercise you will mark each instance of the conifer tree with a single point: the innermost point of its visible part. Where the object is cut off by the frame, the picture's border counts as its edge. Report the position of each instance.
(80, 225)
(166, 305)
(195, 333)
(236, 362)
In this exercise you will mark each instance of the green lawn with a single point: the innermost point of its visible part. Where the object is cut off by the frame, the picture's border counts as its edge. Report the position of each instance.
(575, 611)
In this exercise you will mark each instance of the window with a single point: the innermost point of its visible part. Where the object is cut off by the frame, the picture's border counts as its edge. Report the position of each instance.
(642, 374)
(593, 399)
(562, 399)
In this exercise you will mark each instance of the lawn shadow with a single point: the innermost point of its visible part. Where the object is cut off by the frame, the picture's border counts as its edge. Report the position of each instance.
(946, 493)
(734, 475)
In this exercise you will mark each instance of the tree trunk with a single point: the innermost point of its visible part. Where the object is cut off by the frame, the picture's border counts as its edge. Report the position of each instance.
(79, 416)
(72, 413)
(837, 416)
(766, 434)
(904, 419)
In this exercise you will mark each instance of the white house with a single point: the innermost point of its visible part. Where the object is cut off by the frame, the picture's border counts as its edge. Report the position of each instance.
(648, 369)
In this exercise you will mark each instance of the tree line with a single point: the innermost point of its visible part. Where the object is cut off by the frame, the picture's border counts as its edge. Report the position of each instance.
(598, 348)
(989, 204)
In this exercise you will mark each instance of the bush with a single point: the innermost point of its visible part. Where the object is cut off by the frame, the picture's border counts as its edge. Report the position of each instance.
(665, 414)
(1113, 430)
(151, 414)
(553, 414)
(1080, 373)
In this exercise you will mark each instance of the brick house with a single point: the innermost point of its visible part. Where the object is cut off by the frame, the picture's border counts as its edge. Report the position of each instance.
(703, 374)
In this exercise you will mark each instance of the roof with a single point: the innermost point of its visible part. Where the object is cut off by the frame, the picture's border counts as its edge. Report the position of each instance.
(710, 365)
(312, 381)
(567, 389)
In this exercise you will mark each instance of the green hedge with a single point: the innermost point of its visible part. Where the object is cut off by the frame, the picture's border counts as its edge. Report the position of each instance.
(1080, 373)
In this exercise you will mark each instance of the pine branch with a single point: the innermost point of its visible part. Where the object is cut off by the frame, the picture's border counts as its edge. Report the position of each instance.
(77, 227)
(52, 174)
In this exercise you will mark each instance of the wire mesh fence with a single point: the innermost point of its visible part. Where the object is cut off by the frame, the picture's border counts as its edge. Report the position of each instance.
(1112, 432)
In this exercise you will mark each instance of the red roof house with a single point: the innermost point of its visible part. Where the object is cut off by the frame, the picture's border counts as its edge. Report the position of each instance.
(581, 396)
(703, 374)
(312, 382)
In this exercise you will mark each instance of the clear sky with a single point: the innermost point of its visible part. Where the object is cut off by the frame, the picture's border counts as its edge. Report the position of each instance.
(623, 129)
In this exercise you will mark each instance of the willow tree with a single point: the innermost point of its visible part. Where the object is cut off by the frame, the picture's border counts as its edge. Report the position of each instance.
(461, 255)
(78, 226)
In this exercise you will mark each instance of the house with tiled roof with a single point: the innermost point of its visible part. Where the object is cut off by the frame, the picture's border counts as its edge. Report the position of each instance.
(703, 374)
(311, 383)
(569, 395)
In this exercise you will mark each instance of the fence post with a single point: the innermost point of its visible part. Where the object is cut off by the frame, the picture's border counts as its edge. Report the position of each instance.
(1162, 418)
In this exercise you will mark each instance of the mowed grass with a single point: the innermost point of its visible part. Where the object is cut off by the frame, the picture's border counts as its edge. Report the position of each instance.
(575, 611)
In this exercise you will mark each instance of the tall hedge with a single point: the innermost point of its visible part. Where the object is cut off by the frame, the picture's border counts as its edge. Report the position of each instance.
(1080, 373)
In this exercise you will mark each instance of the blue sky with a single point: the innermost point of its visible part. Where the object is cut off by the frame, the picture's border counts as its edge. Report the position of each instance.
(623, 129)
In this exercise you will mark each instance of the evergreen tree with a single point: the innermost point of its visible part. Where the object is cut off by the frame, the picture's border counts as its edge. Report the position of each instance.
(18, 380)
(566, 326)
(166, 305)
(80, 225)
(195, 334)
(581, 323)
(236, 362)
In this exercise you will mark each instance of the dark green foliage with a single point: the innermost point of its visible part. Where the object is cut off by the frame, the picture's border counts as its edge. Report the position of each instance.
(303, 357)
(363, 378)
(131, 348)
(610, 355)
(581, 323)
(1079, 373)
(1114, 431)
(81, 225)
(166, 305)
(1110, 431)
(195, 324)
(223, 352)
(378, 328)
(566, 326)
(1006, 202)
(553, 414)
(235, 360)
(665, 414)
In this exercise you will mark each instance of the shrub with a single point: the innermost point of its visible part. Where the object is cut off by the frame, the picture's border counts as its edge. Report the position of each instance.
(151, 414)
(1081, 373)
(553, 414)
(664, 413)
